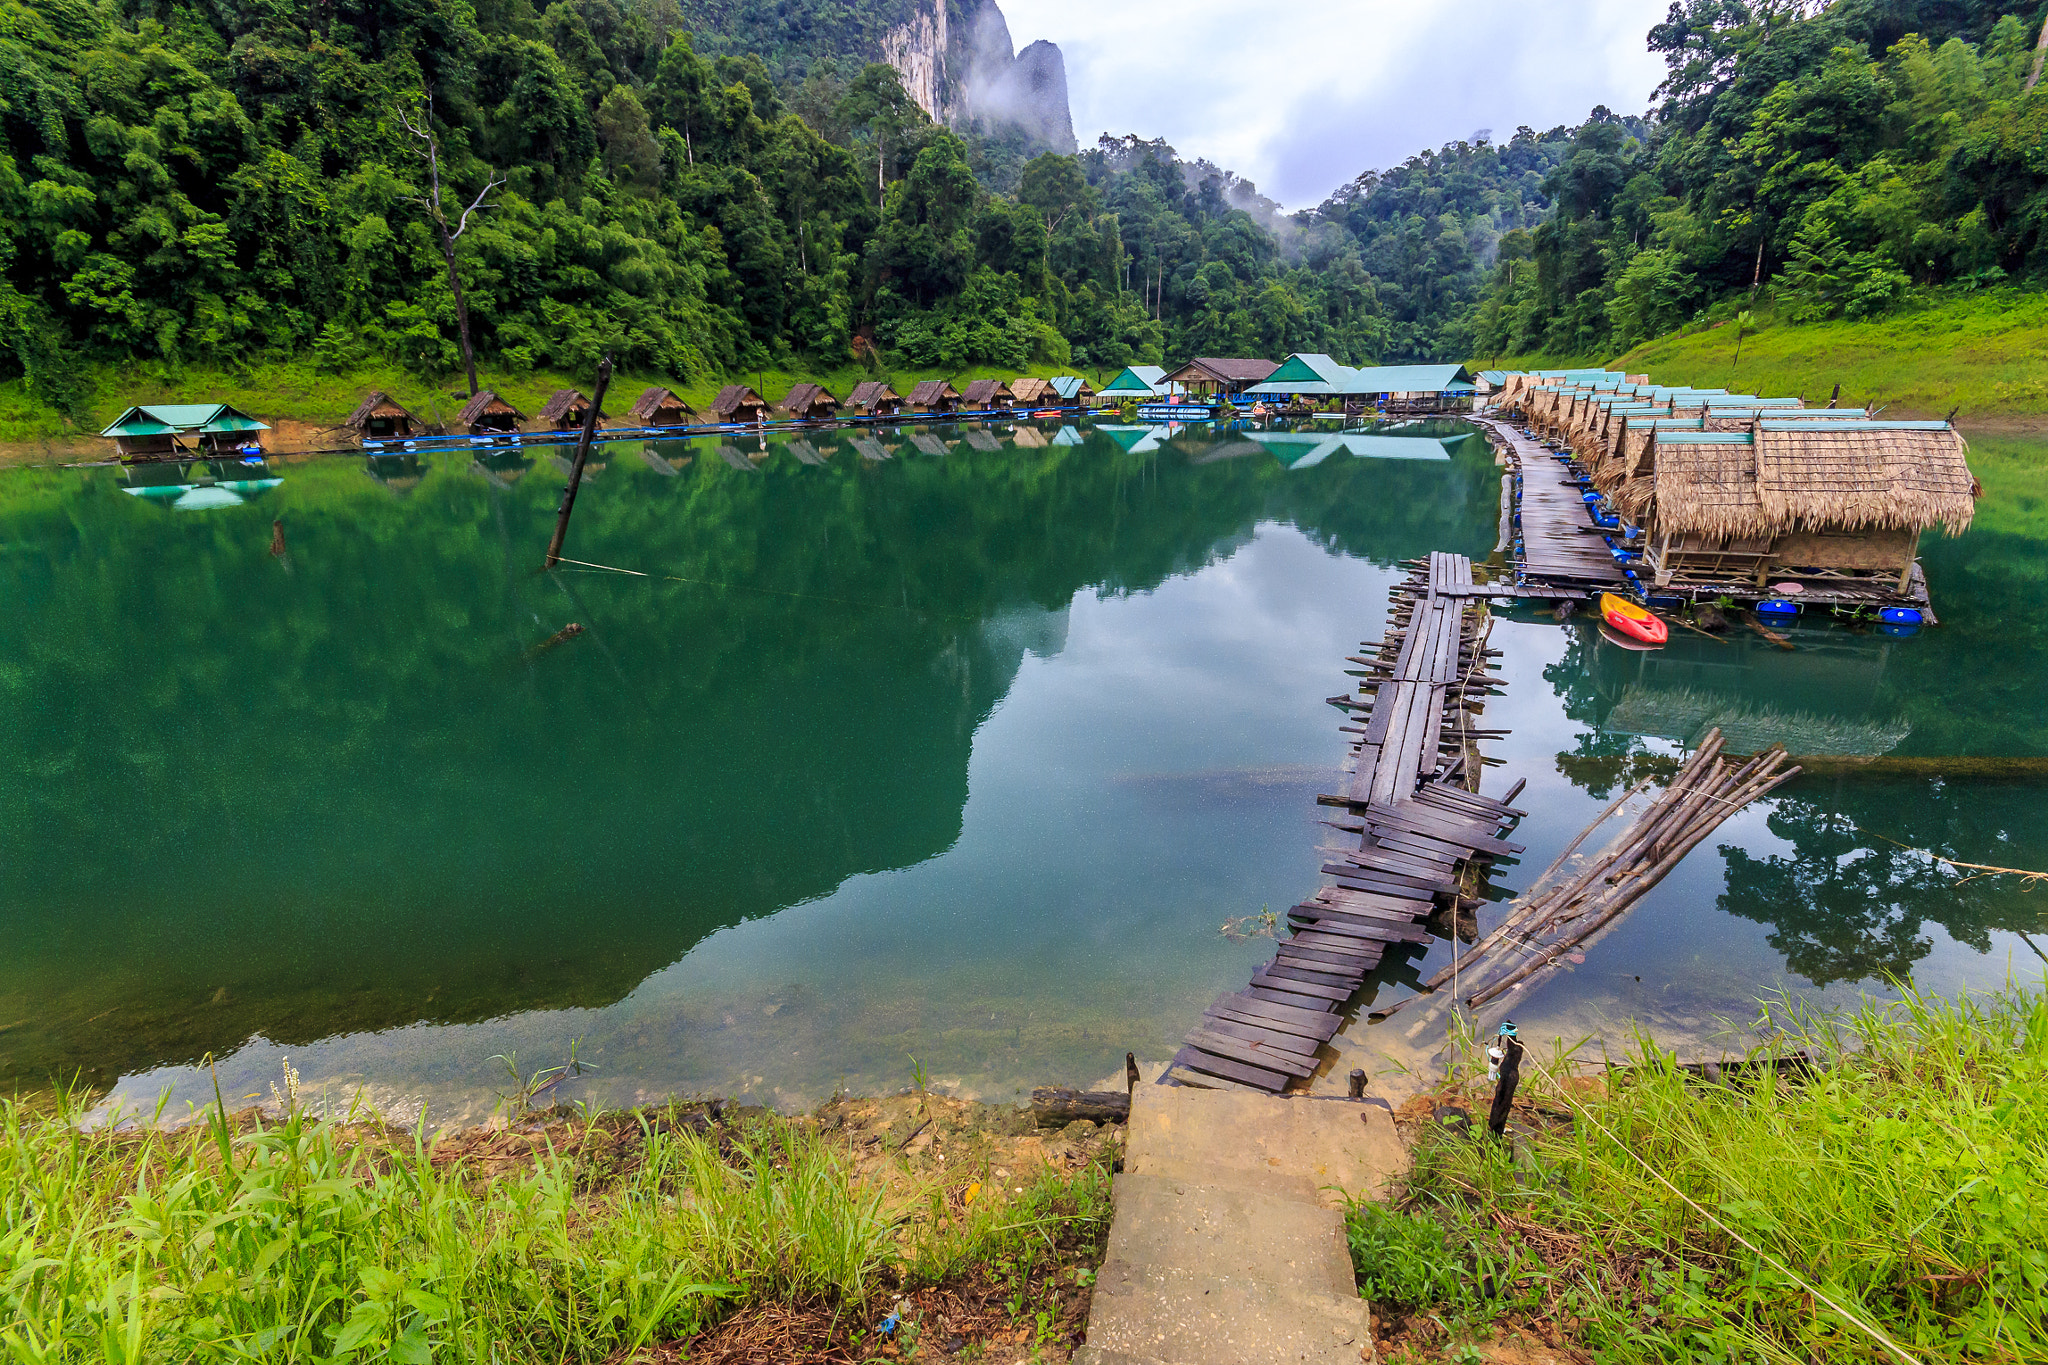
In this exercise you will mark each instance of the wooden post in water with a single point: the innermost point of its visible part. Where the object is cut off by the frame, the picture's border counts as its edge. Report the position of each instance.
(604, 378)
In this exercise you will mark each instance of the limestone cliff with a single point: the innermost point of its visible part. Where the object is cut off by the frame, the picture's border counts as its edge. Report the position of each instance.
(956, 60)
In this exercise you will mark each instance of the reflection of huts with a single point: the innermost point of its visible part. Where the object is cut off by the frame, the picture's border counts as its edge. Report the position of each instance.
(934, 395)
(399, 472)
(983, 394)
(1032, 393)
(1028, 438)
(566, 410)
(810, 401)
(486, 414)
(1840, 502)
(739, 403)
(983, 440)
(659, 407)
(874, 398)
(155, 431)
(380, 417)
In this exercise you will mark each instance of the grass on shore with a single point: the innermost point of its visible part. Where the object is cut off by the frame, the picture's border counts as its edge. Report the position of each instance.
(311, 1239)
(1985, 352)
(1902, 1181)
(296, 390)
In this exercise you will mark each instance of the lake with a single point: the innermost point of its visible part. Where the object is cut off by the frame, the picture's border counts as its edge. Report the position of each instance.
(949, 762)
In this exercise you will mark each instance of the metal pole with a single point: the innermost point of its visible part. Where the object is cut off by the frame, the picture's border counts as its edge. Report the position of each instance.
(604, 379)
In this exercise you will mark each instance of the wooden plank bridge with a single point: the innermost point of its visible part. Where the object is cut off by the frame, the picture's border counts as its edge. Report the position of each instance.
(1558, 551)
(1411, 835)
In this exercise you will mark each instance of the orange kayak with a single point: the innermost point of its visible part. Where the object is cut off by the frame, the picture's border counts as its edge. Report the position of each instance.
(1637, 623)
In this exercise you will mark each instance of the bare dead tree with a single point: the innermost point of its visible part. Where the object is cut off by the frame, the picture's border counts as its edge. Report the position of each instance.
(421, 126)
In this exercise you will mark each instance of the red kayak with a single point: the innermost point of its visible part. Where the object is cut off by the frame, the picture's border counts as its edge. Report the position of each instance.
(1637, 623)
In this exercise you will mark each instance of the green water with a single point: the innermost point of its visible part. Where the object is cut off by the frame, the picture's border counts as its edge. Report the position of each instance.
(957, 756)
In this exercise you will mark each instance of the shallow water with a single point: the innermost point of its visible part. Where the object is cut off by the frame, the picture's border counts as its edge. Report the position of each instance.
(947, 762)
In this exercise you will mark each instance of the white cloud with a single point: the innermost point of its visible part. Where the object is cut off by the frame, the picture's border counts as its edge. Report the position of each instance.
(1300, 98)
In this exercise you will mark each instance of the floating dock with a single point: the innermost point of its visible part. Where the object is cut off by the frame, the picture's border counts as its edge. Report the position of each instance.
(1413, 835)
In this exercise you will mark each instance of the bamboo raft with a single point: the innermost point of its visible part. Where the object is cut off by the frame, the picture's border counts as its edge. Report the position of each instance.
(1419, 831)
(1553, 921)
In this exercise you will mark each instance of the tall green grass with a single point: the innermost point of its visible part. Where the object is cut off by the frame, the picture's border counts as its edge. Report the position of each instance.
(302, 1241)
(1903, 1180)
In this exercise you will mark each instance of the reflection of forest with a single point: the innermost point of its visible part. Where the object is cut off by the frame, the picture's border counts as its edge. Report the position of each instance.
(343, 789)
(1844, 904)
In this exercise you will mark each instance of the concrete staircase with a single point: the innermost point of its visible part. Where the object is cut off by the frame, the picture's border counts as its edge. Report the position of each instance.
(1228, 1243)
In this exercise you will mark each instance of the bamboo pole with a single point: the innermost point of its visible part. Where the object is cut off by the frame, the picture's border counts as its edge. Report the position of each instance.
(604, 379)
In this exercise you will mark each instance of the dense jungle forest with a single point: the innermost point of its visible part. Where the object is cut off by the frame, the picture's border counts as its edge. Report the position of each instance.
(217, 182)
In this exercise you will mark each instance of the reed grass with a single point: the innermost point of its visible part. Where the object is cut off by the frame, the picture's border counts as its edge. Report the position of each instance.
(1901, 1180)
(310, 1239)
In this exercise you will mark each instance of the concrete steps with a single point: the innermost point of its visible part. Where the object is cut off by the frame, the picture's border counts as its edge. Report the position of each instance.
(1228, 1242)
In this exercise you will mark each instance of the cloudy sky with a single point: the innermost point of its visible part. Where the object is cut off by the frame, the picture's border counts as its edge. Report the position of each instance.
(1301, 97)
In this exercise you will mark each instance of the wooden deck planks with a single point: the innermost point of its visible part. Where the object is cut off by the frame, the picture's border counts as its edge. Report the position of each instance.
(1414, 835)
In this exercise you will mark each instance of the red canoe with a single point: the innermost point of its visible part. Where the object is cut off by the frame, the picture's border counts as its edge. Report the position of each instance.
(1637, 623)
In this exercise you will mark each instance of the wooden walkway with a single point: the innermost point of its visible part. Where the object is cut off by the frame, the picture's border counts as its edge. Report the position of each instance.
(1412, 830)
(1558, 544)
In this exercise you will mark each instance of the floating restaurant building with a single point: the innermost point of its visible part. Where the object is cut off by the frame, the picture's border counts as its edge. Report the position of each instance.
(1218, 377)
(1314, 377)
(168, 431)
(1142, 382)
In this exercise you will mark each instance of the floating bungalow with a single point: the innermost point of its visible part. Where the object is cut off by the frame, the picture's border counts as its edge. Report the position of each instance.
(810, 401)
(169, 431)
(874, 398)
(1141, 382)
(566, 410)
(1033, 393)
(380, 417)
(1217, 377)
(1830, 507)
(934, 395)
(659, 407)
(739, 403)
(486, 414)
(1070, 389)
(1310, 377)
(983, 394)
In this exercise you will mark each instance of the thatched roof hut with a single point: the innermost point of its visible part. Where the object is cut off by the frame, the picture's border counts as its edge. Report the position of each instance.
(739, 403)
(486, 414)
(381, 417)
(934, 395)
(1032, 393)
(1799, 498)
(810, 401)
(565, 410)
(874, 397)
(987, 393)
(660, 407)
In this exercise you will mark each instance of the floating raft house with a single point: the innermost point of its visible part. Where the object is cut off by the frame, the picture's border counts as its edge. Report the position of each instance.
(739, 403)
(486, 414)
(566, 410)
(1216, 377)
(874, 398)
(1032, 393)
(810, 402)
(934, 395)
(1071, 388)
(380, 417)
(983, 394)
(1142, 382)
(659, 407)
(159, 431)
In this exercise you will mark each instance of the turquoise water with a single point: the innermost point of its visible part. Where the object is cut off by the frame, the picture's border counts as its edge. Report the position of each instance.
(960, 756)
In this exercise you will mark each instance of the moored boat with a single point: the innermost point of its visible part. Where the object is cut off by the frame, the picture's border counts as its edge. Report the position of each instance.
(1635, 622)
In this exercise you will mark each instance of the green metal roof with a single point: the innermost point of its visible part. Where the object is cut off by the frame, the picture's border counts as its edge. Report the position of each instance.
(1705, 438)
(1311, 367)
(1672, 423)
(1138, 380)
(1866, 425)
(1748, 401)
(181, 419)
